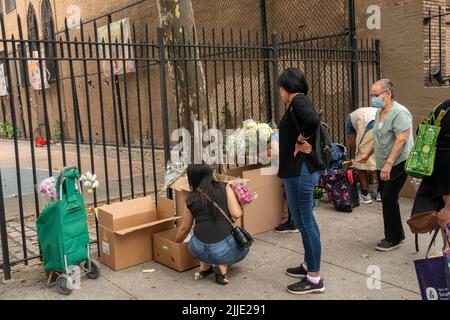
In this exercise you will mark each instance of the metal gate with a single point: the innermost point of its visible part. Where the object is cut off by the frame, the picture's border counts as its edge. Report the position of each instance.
(118, 124)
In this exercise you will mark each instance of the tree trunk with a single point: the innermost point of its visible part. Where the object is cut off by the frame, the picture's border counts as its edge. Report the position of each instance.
(177, 18)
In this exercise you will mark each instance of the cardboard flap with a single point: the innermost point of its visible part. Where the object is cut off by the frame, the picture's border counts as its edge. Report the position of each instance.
(143, 226)
(230, 179)
(122, 215)
(238, 172)
(181, 184)
(166, 208)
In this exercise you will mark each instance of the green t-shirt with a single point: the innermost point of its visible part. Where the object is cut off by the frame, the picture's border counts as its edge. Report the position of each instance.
(398, 120)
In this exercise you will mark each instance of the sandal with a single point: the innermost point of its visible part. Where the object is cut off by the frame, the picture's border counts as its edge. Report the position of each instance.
(221, 278)
(203, 274)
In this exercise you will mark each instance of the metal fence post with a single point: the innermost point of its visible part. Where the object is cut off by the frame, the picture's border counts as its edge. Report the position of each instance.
(164, 103)
(276, 93)
(378, 52)
(4, 235)
(353, 43)
(265, 51)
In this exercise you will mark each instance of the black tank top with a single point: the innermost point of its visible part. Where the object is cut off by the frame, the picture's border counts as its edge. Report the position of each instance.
(210, 226)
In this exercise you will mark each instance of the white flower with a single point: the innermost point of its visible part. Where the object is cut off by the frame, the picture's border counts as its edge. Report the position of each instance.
(250, 125)
(241, 144)
(265, 131)
(231, 142)
(87, 184)
(95, 185)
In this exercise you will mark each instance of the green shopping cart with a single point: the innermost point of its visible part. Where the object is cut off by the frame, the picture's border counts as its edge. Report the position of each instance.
(63, 235)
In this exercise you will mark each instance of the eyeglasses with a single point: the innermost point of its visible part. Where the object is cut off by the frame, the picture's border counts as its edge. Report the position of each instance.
(376, 95)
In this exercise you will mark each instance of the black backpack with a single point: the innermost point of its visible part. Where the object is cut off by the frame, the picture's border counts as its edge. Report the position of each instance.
(322, 143)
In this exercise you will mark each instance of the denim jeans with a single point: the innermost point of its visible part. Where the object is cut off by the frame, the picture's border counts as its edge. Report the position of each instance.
(299, 192)
(225, 252)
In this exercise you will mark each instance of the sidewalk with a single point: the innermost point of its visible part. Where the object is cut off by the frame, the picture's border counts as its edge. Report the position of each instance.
(347, 252)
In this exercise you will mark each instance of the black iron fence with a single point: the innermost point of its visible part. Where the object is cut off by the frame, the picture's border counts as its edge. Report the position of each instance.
(117, 94)
(437, 66)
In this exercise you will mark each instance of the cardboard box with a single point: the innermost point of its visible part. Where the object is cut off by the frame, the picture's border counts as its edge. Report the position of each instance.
(173, 255)
(266, 212)
(182, 190)
(126, 230)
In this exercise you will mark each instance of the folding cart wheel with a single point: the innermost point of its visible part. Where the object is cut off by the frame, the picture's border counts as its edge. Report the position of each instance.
(63, 284)
(93, 269)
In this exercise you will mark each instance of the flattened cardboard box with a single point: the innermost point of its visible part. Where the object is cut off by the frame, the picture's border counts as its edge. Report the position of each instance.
(126, 230)
(171, 254)
(182, 190)
(266, 212)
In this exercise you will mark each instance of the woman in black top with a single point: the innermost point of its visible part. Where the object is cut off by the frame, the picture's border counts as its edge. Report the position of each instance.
(301, 173)
(212, 243)
(434, 191)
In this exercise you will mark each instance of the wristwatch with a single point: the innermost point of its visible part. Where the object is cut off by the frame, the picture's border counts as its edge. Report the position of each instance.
(300, 142)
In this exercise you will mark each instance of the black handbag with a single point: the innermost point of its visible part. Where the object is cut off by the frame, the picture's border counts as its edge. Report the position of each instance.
(243, 238)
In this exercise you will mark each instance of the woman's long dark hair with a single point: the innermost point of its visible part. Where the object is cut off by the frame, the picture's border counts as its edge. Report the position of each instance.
(200, 176)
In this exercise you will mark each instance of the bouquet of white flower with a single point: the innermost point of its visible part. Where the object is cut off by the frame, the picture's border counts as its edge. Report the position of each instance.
(89, 181)
(174, 170)
(248, 136)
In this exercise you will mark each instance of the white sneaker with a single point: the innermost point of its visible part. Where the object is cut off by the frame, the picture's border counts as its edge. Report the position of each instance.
(378, 197)
(365, 199)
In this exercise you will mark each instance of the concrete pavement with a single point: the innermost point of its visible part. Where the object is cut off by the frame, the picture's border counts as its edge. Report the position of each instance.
(348, 255)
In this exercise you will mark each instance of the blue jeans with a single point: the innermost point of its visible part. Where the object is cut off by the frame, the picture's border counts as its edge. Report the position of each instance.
(299, 192)
(225, 252)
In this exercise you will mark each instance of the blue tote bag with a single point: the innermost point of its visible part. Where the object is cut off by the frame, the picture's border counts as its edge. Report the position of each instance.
(433, 274)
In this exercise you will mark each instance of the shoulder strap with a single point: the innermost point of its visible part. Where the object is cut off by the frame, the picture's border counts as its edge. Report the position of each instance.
(417, 242)
(231, 222)
(294, 117)
(433, 240)
(432, 115)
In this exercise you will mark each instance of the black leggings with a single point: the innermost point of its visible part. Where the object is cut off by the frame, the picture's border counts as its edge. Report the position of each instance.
(390, 194)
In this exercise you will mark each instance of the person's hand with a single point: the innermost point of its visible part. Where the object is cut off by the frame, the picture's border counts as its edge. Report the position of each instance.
(385, 173)
(444, 217)
(363, 158)
(305, 148)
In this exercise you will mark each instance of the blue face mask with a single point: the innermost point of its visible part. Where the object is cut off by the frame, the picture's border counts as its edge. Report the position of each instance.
(378, 102)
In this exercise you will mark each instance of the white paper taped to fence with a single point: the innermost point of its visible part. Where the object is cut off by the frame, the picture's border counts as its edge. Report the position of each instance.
(119, 52)
(34, 71)
(3, 86)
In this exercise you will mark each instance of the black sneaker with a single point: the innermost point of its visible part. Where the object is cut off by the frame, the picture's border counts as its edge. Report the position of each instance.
(386, 246)
(306, 287)
(298, 272)
(287, 227)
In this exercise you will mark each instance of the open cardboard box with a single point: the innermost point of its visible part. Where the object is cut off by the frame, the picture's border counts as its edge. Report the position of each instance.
(126, 230)
(171, 254)
(266, 211)
(182, 190)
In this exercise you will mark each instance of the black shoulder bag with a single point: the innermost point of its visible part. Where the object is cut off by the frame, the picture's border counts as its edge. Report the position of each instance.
(243, 238)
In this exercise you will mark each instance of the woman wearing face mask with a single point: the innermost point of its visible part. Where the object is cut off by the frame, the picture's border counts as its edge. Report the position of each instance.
(393, 141)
